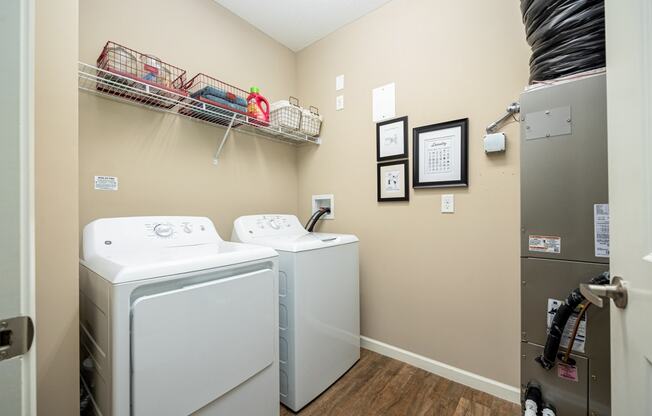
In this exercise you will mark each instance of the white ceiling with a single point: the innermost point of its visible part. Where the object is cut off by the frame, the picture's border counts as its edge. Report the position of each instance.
(298, 23)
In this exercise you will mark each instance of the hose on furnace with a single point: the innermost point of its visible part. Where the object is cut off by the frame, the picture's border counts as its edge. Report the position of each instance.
(583, 307)
(574, 299)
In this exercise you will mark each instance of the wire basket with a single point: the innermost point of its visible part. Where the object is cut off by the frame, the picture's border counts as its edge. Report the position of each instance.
(129, 69)
(286, 114)
(220, 98)
(310, 122)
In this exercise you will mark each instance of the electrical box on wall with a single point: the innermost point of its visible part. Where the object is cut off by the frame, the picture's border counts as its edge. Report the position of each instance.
(494, 142)
(326, 200)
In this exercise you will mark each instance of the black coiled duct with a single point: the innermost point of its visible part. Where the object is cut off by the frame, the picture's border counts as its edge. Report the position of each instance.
(567, 36)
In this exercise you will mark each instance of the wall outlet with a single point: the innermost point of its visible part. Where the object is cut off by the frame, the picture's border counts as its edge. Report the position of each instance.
(339, 102)
(327, 200)
(448, 203)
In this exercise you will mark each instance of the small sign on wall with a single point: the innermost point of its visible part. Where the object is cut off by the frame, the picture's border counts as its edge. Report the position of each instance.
(106, 183)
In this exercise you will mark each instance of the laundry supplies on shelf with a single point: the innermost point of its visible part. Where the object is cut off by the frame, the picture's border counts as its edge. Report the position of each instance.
(119, 88)
(310, 121)
(286, 114)
(218, 97)
(128, 73)
(222, 97)
(258, 107)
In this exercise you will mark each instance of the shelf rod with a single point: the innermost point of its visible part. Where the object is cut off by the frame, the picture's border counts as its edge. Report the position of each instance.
(226, 136)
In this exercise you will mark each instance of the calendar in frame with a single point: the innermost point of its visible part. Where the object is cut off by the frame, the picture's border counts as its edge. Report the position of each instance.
(441, 156)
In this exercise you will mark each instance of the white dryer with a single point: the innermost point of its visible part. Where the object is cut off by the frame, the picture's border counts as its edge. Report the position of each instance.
(319, 315)
(174, 321)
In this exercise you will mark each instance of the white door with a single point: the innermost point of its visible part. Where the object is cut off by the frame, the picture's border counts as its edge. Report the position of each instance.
(629, 97)
(17, 374)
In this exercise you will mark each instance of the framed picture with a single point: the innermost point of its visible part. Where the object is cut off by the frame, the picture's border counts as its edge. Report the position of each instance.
(392, 139)
(441, 154)
(393, 181)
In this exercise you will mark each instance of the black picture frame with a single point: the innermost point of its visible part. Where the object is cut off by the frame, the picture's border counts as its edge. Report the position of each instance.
(405, 183)
(417, 181)
(403, 155)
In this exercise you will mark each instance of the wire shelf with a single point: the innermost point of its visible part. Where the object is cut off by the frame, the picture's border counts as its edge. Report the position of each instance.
(118, 87)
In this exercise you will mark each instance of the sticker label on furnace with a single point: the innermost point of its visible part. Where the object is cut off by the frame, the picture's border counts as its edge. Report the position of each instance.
(545, 244)
(601, 229)
(567, 372)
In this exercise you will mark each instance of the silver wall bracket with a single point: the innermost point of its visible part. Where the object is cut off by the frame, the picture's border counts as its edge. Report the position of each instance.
(513, 108)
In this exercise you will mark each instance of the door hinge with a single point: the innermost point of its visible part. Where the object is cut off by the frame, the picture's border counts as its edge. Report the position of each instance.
(16, 336)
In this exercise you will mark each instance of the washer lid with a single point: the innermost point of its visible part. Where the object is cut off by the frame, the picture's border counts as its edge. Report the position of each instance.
(284, 233)
(308, 241)
(136, 248)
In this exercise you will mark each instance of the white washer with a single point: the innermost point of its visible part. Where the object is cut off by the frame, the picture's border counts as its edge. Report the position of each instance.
(319, 314)
(174, 321)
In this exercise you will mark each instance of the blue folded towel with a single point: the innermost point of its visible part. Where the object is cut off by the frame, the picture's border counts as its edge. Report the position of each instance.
(226, 103)
(216, 92)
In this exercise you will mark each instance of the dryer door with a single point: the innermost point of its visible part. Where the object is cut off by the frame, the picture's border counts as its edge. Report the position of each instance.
(191, 345)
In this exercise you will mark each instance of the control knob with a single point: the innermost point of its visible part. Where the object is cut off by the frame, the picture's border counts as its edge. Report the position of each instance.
(163, 230)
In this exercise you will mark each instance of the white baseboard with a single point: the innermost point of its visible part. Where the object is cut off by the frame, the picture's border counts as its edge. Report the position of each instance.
(484, 384)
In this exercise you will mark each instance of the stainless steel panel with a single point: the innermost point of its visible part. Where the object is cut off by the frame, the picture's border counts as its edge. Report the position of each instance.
(542, 279)
(600, 383)
(569, 397)
(548, 123)
(563, 177)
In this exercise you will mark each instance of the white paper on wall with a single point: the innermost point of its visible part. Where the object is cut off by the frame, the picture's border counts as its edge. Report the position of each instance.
(384, 102)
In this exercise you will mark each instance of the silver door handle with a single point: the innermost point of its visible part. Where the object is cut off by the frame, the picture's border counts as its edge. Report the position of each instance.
(616, 291)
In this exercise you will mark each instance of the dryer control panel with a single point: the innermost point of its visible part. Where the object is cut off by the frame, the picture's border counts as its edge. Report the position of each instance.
(109, 235)
(252, 226)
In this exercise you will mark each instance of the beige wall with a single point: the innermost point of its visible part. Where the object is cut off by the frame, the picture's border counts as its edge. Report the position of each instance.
(163, 162)
(444, 286)
(57, 321)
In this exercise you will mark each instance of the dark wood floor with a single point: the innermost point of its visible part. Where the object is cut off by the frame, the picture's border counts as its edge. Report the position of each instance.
(378, 385)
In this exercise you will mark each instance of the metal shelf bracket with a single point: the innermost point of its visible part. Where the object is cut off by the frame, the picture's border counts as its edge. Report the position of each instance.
(226, 136)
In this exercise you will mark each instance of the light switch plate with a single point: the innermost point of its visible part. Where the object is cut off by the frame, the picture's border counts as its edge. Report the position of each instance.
(448, 203)
(339, 102)
(339, 82)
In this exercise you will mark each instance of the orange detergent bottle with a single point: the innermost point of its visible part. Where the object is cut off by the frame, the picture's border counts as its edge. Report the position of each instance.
(258, 106)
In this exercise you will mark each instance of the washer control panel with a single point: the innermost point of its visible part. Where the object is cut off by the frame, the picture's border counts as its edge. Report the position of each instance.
(268, 225)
